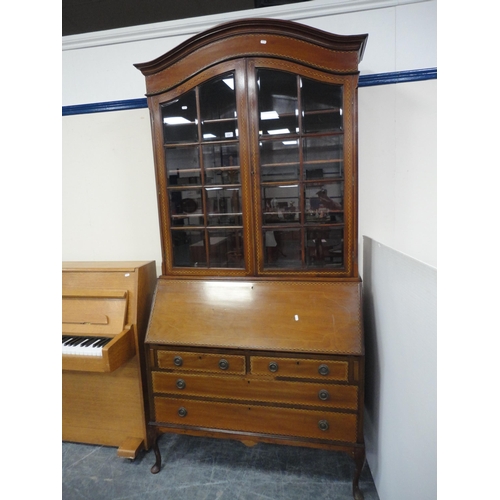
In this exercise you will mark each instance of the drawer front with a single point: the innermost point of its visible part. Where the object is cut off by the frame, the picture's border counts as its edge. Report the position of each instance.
(202, 362)
(256, 389)
(318, 424)
(300, 368)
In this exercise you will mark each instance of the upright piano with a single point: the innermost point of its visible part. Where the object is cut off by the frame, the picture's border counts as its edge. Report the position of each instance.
(105, 311)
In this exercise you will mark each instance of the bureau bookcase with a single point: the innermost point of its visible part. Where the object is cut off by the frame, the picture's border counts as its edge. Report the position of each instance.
(256, 331)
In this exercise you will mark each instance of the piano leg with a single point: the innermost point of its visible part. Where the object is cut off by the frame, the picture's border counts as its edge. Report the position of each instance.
(157, 466)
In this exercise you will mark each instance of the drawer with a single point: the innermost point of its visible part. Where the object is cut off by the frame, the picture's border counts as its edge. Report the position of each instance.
(200, 362)
(300, 368)
(328, 425)
(256, 389)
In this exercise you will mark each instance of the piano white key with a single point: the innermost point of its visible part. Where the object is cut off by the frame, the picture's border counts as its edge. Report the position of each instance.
(75, 346)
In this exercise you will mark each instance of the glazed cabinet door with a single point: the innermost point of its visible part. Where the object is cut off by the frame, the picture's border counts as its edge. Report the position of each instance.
(202, 174)
(303, 183)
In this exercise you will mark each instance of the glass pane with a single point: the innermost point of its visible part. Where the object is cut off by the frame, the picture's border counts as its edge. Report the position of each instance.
(224, 206)
(221, 163)
(226, 248)
(282, 248)
(183, 165)
(324, 203)
(323, 157)
(186, 207)
(325, 247)
(280, 204)
(218, 109)
(279, 160)
(322, 106)
(188, 248)
(278, 109)
(179, 119)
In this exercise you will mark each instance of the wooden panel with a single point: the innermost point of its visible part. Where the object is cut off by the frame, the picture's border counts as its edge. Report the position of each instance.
(300, 368)
(258, 419)
(193, 361)
(87, 315)
(265, 315)
(102, 408)
(256, 389)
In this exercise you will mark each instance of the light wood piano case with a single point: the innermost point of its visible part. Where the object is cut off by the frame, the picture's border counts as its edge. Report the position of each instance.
(104, 397)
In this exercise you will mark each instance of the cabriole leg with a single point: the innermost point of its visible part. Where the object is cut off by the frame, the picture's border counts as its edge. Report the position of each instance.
(359, 459)
(157, 466)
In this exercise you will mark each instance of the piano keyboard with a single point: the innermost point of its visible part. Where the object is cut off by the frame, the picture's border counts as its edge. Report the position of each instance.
(84, 346)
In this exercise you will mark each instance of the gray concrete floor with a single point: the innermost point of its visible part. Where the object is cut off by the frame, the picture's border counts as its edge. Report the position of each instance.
(210, 469)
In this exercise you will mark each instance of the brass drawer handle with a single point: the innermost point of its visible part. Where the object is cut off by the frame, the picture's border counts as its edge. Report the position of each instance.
(323, 370)
(324, 395)
(323, 425)
(182, 412)
(180, 384)
(223, 364)
(178, 361)
(273, 366)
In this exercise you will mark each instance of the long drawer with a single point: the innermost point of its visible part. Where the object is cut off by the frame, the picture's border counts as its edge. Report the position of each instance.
(256, 389)
(327, 425)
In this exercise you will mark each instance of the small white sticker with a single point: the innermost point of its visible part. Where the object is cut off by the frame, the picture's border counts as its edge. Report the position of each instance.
(296, 317)
(263, 42)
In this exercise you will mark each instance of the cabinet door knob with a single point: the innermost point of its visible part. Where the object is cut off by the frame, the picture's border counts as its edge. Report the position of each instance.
(223, 364)
(323, 425)
(180, 384)
(273, 366)
(178, 361)
(324, 395)
(323, 370)
(182, 412)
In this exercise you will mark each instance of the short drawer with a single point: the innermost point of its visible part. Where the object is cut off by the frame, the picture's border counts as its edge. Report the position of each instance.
(300, 368)
(200, 362)
(256, 389)
(328, 425)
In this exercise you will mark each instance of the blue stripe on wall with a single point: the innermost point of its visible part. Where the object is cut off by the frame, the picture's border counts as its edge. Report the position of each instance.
(364, 81)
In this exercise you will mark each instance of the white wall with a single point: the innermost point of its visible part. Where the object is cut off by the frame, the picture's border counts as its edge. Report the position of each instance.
(401, 372)
(108, 187)
(397, 167)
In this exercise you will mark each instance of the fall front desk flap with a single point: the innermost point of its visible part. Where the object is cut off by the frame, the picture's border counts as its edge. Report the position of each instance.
(262, 315)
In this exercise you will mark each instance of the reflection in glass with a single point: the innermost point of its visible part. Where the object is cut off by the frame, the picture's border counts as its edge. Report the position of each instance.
(182, 243)
(280, 204)
(278, 104)
(183, 165)
(325, 247)
(324, 203)
(221, 163)
(279, 160)
(224, 206)
(186, 207)
(226, 248)
(218, 109)
(282, 248)
(323, 157)
(179, 119)
(322, 106)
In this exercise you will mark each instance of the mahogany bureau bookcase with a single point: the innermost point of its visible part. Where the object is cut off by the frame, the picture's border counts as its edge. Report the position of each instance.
(256, 331)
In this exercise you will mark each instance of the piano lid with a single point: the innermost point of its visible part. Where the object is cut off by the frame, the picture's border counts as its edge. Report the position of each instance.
(93, 312)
